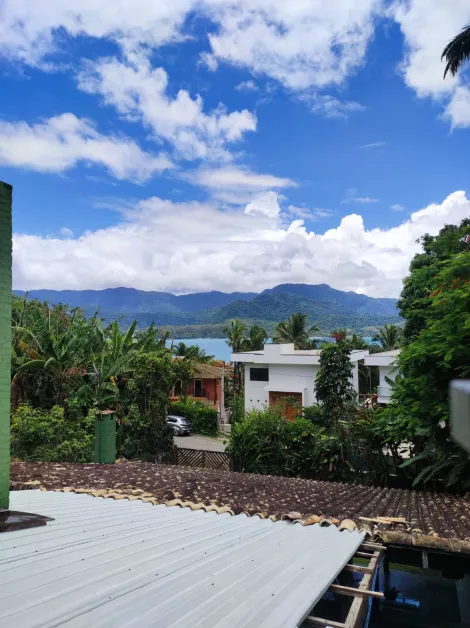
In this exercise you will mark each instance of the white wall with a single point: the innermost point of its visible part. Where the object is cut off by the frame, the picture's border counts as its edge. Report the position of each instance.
(255, 395)
(283, 378)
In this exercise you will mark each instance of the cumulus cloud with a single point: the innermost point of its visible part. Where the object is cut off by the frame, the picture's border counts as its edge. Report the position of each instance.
(139, 92)
(61, 142)
(303, 45)
(397, 207)
(234, 184)
(427, 26)
(162, 245)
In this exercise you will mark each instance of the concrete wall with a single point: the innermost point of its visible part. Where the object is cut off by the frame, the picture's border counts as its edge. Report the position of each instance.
(282, 378)
(5, 339)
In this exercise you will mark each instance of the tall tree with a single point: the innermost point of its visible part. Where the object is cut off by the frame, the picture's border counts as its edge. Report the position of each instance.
(333, 386)
(435, 303)
(236, 340)
(389, 337)
(296, 330)
(257, 337)
(457, 52)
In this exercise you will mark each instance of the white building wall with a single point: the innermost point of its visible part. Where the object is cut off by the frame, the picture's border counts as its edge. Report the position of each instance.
(385, 390)
(256, 398)
(282, 378)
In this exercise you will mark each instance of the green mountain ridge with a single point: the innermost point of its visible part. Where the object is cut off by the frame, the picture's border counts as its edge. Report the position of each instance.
(265, 310)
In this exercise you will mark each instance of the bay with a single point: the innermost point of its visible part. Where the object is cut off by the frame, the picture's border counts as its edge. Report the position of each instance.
(218, 347)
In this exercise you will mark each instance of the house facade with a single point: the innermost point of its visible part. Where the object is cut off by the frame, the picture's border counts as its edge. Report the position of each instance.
(206, 385)
(279, 373)
(386, 362)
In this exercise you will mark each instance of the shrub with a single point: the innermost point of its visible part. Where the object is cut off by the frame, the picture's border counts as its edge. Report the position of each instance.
(203, 418)
(47, 436)
(264, 442)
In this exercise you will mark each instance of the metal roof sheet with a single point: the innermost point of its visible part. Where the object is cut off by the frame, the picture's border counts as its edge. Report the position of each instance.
(103, 562)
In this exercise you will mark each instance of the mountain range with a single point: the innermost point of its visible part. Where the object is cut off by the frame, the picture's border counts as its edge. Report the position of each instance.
(326, 307)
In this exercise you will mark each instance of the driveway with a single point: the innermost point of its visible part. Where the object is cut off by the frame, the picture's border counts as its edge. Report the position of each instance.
(200, 442)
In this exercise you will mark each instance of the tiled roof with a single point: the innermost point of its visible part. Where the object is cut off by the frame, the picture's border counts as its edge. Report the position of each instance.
(423, 519)
(207, 371)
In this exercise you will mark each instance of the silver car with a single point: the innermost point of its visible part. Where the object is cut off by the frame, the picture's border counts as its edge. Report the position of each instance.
(180, 425)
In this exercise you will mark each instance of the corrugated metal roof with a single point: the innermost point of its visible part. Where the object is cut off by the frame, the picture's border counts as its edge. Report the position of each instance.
(128, 563)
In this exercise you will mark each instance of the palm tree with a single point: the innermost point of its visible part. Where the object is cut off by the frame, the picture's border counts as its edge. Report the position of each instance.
(389, 337)
(192, 352)
(257, 336)
(457, 51)
(296, 330)
(236, 340)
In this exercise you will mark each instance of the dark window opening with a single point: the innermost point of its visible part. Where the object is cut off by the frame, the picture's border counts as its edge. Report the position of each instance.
(259, 375)
(198, 388)
(178, 391)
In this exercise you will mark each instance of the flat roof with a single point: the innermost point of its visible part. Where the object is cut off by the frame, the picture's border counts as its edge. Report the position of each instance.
(105, 562)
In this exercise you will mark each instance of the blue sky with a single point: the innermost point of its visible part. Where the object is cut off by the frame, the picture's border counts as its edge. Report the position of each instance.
(191, 146)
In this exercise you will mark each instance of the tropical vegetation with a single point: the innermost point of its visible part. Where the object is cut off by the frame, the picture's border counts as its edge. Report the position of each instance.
(435, 303)
(296, 330)
(66, 367)
(457, 52)
(389, 337)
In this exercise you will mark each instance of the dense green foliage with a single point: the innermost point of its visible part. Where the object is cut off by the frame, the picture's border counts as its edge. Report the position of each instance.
(263, 442)
(202, 416)
(332, 385)
(296, 330)
(66, 366)
(389, 337)
(47, 436)
(435, 304)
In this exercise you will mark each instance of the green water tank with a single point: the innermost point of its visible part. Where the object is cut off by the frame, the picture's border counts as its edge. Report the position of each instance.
(105, 437)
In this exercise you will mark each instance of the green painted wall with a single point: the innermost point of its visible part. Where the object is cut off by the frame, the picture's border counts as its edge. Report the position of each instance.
(105, 438)
(5, 339)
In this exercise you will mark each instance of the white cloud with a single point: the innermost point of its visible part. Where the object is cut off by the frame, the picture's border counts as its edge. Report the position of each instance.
(351, 196)
(302, 44)
(139, 92)
(161, 245)
(458, 109)
(31, 30)
(305, 213)
(235, 185)
(61, 142)
(428, 25)
(266, 204)
(66, 232)
(246, 86)
(329, 106)
(374, 145)
(398, 207)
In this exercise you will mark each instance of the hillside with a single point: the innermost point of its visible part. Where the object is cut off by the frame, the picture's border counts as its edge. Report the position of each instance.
(325, 307)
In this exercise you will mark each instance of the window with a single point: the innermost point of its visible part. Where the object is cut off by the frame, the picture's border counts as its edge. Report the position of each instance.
(171, 420)
(198, 388)
(259, 375)
(178, 391)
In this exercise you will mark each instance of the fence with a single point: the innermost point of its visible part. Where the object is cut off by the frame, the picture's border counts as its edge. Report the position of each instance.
(198, 458)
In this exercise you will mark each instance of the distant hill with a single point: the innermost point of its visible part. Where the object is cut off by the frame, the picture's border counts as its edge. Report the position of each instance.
(131, 300)
(326, 307)
(350, 300)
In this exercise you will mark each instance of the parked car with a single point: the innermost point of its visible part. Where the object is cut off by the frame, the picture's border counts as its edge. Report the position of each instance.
(180, 425)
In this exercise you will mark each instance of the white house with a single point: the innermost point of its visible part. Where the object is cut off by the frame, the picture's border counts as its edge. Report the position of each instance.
(386, 361)
(279, 371)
